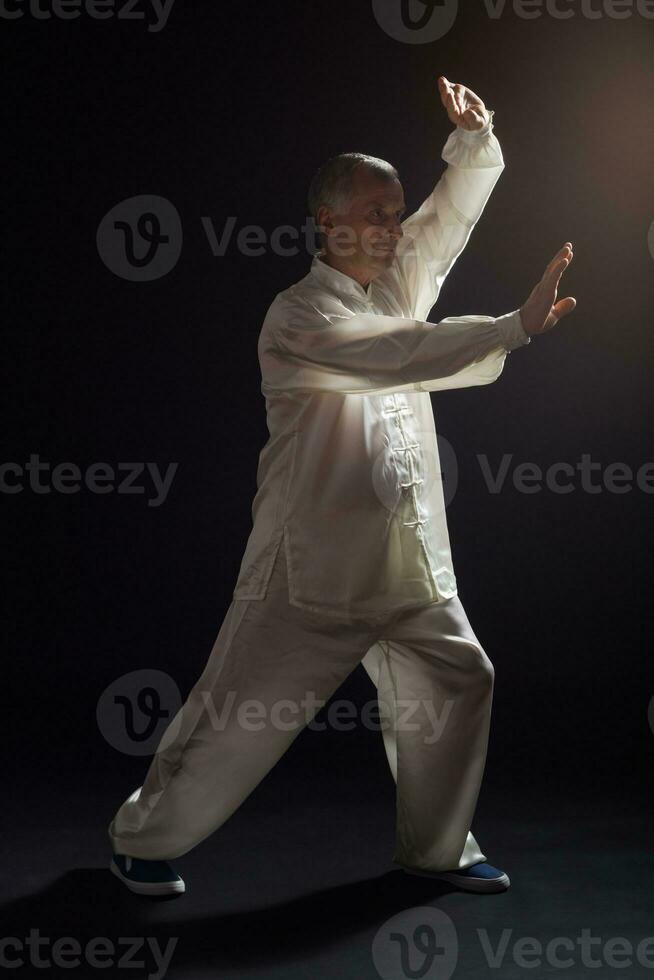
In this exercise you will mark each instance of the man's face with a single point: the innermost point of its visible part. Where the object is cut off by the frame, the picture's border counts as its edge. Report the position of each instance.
(363, 238)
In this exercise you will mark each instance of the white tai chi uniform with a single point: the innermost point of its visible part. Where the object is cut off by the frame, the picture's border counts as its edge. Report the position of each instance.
(349, 556)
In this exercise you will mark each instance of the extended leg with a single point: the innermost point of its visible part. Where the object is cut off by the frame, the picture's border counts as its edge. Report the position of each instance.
(271, 669)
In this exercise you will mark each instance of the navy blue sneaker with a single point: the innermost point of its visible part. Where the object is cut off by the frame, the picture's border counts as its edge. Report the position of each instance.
(482, 878)
(146, 877)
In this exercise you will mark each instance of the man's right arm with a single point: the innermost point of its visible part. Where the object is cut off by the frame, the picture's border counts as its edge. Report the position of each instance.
(302, 349)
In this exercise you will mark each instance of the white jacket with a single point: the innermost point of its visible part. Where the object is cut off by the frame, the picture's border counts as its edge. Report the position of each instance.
(350, 478)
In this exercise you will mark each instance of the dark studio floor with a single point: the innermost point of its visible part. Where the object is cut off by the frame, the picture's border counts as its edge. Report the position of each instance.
(299, 883)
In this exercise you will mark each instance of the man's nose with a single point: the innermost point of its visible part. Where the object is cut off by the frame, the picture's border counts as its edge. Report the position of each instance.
(396, 229)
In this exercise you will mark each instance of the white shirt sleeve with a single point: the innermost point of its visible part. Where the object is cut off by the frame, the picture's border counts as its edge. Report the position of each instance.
(436, 234)
(304, 349)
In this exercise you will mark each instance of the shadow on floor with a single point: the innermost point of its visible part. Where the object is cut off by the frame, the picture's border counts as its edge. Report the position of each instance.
(86, 904)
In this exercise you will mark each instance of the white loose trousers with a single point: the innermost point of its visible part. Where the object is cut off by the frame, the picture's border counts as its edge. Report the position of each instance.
(434, 684)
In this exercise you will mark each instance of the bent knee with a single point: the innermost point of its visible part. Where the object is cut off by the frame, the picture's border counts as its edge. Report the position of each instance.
(486, 669)
(481, 666)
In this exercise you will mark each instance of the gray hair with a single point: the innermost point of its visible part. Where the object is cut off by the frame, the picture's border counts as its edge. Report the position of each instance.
(332, 183)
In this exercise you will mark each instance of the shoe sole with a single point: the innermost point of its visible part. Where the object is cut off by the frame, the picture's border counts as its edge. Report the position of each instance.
(149, 887)
(481, 886)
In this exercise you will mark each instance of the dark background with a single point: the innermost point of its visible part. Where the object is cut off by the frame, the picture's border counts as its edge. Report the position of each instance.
(228, 111)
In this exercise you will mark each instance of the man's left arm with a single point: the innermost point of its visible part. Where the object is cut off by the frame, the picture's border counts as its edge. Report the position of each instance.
(436, 234)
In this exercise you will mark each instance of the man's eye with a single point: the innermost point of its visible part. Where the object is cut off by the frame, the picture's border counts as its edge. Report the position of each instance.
(378, 213)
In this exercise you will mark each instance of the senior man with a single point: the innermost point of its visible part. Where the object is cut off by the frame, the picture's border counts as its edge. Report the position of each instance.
(349, 557)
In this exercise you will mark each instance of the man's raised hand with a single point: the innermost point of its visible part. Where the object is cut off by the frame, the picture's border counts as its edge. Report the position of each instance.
(542, 311)
(464, 108)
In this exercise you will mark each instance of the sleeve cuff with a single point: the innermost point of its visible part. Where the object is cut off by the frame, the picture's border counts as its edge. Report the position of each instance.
(471, 135)
(511, 331)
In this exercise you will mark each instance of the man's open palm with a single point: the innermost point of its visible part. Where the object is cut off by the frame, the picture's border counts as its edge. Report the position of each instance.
(464, 108)
(542, 311)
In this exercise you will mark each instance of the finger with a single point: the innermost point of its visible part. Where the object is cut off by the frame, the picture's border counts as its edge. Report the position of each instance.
(555, 267)
(444, 89)
(453, 108)
(547, 289)
(473, 98)
(467, 98)
(450, 104)
(444, 85)
(553, 274)
(459, 94)
(564, 252)
(558, 311)
(564, 306)
(474, 119)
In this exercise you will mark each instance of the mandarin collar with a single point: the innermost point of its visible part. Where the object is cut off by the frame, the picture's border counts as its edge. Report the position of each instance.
(333, 278)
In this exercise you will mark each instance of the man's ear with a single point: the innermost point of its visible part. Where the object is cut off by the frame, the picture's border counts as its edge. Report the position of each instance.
(325, 221)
